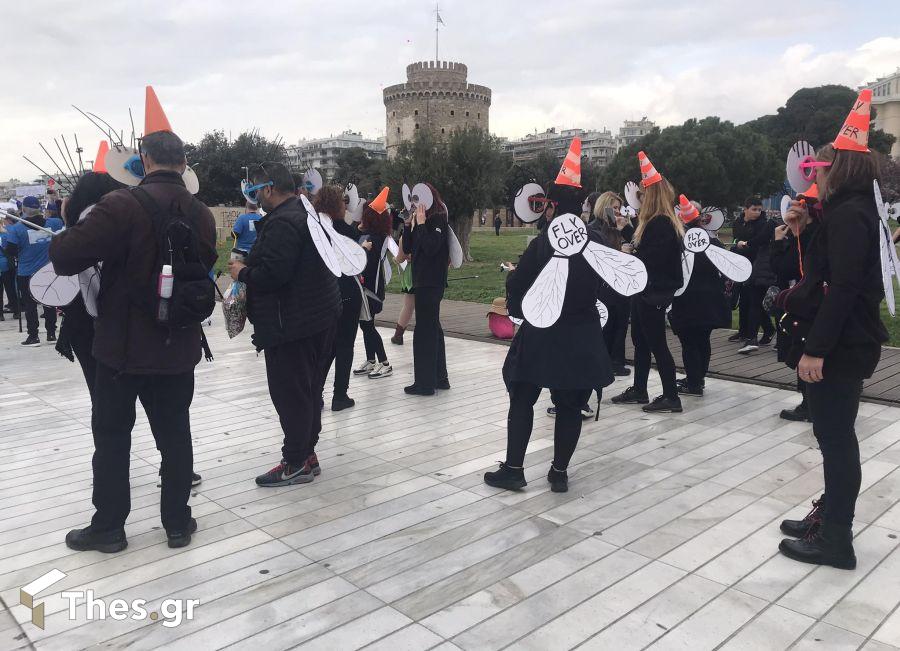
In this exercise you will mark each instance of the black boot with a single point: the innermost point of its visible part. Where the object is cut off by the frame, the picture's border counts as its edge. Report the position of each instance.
(631, 396)
(829, 545)
(343, 401)
(559, 480)
(808, 525)
(662, 404)
(108, 542)
(800, 413)
(416, 390)
(182, 538)
(512, 479)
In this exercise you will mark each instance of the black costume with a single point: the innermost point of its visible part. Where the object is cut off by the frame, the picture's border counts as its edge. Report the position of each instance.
(372, 280)
(348, 322)
(758, 234)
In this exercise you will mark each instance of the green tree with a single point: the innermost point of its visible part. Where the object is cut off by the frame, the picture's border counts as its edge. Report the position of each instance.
(709, 160)
(355, 166)
(218, 162)
(815, 115)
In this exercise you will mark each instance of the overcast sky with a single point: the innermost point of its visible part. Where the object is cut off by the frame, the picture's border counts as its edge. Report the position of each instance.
(311, 68)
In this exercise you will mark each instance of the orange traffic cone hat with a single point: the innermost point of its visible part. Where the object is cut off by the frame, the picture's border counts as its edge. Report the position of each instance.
(649, 175)
(686, 210)
(154, 117)
(570, 172)
(854, 135)
(379, 203)
(100, 158)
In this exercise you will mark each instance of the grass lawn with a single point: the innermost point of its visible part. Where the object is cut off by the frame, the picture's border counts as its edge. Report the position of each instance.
(489, 251)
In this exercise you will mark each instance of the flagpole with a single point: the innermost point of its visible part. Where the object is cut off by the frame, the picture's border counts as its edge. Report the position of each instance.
(437, 18)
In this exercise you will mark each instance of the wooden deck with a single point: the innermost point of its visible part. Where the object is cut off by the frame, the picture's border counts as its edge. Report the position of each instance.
(667, 539)
(468, 320)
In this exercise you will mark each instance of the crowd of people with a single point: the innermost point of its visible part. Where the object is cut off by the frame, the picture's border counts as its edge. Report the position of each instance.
(154, 245)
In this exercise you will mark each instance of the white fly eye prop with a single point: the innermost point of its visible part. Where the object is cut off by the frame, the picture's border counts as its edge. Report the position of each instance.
(632, 195)
(890, 264)
(321, 238)
(406, 195)
(312, 181)
(529, 203)
(568, 236)
(801, 166)
(354, 203)
(421, 195)
(731, 265)
(712, 219)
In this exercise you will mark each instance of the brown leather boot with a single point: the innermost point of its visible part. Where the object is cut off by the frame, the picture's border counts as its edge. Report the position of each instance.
(398, 335)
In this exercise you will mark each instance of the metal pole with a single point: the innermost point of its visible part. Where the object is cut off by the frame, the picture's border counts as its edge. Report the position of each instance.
(26, 222)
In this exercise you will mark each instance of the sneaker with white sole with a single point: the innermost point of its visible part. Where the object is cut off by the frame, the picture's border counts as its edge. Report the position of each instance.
(380, 370)
(366, 368)
(284, 474)
(32, 341)
(748, 348)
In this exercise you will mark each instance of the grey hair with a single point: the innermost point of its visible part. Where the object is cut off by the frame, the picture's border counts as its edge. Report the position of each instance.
(164, 147)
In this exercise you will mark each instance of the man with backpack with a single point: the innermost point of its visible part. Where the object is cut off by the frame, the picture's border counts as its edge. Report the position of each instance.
(156, 243)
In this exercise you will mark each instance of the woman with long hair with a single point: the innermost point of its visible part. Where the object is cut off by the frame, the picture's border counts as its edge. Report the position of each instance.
(658, 244)
(329, 203)
(609, 222)
(374, 228)
(833, 318)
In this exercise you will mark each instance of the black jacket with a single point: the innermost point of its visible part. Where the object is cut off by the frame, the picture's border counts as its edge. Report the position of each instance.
(430, 250)
(373, 275)
(759, 235)
(660, 251)
(121, 234)
(703, 304)
(570, 354)
(785, 258)
(291, 294)
(845, 254)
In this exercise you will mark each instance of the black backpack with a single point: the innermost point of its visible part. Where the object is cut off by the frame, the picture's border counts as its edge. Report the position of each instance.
(193, 291)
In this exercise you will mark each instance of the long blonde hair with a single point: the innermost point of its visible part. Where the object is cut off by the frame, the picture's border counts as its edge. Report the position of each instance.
(603, 202)
(659, 199)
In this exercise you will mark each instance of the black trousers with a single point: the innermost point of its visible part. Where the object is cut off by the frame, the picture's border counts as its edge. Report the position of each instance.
(756, 315)
(344, 340)
(520, 422)
(296, 372)
(833, 405)
(82, 343)
(616, 330)
(30, 307)
(372, 341)
(695, 353)
(166, 400)
(497, 229)
(429, 354)
(8, 280)
(648, 334)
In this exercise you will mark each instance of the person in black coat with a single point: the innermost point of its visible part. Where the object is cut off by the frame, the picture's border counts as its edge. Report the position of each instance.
(658, 244)
(294, 303)
(427, 243)
(569, 357)
(699, 310)
(374, 229)
(329, 203)
(837, 336)
(752, 236)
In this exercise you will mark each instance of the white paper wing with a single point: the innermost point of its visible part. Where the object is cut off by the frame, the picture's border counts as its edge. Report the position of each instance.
(392, 246)
(456, 252)
(887, 268)
(624, 273)
(543, 301)
(388, 271)
(687, 268)
(733, 266)
(631, 195)
(323, 245)
(350, 255)
(385, 262)
(604, 313)
(51, 290)
(89, 280)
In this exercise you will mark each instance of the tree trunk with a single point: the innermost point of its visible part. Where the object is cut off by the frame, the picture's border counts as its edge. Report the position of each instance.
(463, 230)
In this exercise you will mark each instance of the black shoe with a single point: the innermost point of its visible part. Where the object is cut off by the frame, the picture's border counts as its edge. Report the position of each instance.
(512, 479)
(181, 538)
(662, 404)
(558, 479)
(631, 396)
(825, 547)
(32, 341)
(284, 474)
(195, 479)
(800, 413)
(416, 390)
(443, 385)
(809, 525)
(766, 340)
(51, 336)
(735, 337)
(2, 316)
(108, 542)
(341, 402)
(621, 371)
(686, 389)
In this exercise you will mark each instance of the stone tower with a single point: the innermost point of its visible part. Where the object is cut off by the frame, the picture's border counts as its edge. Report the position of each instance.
(436, 96)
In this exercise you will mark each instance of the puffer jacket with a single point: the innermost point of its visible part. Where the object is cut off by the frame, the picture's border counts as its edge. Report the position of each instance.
(291, 294)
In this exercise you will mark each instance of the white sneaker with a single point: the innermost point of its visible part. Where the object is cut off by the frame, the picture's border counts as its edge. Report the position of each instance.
(587, 412)
(380, 370)
(366, 368)
(748, 348)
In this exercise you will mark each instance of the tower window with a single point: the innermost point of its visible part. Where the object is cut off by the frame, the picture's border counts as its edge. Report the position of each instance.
(442, 129)
(417, 125)
(451, 111)
(416, 112)
(479, 116)
(467, 114)
(393, 114)
(398, 129)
